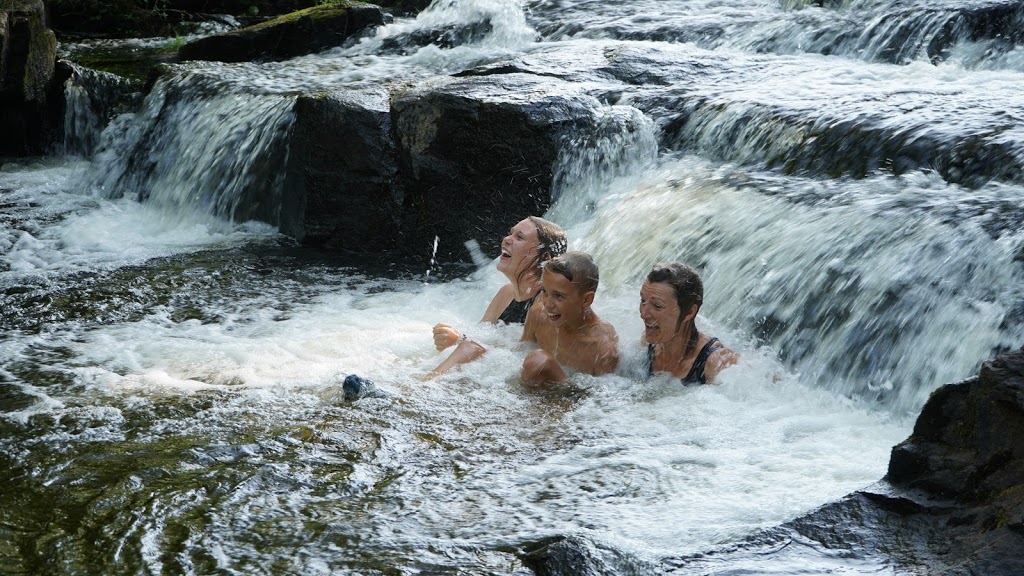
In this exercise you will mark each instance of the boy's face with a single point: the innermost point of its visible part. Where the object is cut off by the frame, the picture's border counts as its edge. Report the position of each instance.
(564, 301)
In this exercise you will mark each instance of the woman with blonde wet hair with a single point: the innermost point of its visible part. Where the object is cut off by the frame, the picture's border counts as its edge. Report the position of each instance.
(524, 250)
(670, 298)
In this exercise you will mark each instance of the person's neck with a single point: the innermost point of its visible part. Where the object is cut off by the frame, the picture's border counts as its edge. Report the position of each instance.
(526, 288)
(588, 319)
(676, 346)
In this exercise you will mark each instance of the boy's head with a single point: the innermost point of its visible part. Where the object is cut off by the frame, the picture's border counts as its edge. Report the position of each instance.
(570, 282)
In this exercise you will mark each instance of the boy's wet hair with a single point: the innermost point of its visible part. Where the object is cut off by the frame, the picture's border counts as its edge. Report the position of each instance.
(578, 267)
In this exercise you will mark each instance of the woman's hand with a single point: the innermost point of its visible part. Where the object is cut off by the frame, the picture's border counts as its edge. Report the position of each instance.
(445, 336)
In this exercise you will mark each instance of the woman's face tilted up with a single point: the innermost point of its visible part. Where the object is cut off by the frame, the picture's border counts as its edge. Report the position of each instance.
(518, 249)
(659, 310)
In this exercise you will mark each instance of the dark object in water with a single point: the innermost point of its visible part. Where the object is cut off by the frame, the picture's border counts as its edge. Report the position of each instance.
(356, 387)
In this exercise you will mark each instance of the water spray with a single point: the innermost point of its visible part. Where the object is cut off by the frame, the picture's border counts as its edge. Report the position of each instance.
(433, 259)
(480, 259)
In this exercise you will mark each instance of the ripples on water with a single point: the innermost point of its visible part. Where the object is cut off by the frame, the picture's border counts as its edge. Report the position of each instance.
(170, 373)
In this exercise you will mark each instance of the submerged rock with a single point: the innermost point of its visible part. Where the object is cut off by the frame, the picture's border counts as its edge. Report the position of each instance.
(577, 556)
(295, 34)
(355, 387)
(29, 51)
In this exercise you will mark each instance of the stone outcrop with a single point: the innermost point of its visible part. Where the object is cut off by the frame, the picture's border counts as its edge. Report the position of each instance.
(967, 450)
(479, 154)
(454, 159)
(952, 503)
(295, 34)
(28, 53)
(341, 182)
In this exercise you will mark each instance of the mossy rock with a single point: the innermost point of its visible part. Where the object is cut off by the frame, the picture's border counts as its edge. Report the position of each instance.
(294, 34)
(132, 63)
(29, 52)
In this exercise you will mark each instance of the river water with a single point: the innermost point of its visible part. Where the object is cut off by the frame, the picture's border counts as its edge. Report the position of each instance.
(171, 366)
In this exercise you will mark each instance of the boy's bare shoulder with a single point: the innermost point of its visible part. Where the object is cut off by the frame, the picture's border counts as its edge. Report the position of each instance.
(604, 331)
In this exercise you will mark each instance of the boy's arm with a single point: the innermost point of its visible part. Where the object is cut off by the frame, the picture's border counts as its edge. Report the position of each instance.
(607, 357)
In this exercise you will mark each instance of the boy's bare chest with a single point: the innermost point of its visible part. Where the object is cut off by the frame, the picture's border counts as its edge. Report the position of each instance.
(575, 350)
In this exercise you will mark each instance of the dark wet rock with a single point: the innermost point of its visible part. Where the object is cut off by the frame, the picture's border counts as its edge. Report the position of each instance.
(295, 34)
(135, 19)
(967, 443)
(951, 504)
(458, 159)
(442, 38)
(577, 556)
(341, 187)
(478, 154)
(29, 51)
(355, 387)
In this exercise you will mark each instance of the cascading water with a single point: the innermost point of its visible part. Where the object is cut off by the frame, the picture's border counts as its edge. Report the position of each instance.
(171, 368)
(199, 146)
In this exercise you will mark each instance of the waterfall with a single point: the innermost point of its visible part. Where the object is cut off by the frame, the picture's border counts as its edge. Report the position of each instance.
(199, 144)
(877, 289)
(91, 98)
(622, 143)
(979, 35)
(846, 175)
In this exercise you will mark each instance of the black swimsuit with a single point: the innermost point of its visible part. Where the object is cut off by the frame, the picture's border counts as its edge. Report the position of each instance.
(515, 312)
(696, 374)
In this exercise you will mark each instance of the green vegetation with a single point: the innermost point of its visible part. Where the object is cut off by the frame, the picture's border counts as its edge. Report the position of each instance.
(324, 9)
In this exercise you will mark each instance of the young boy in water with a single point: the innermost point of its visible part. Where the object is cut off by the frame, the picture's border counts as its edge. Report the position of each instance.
(563, 325)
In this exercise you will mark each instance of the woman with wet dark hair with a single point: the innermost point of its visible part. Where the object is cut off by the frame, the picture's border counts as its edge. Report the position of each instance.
(670, 298)
(528, 245)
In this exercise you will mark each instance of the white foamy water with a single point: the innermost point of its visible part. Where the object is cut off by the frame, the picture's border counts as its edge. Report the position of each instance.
(649, 467)
(53, 229)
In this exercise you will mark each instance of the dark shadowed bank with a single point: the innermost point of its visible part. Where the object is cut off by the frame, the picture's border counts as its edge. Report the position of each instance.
(952, 503)
(143, 18)
(28, 52)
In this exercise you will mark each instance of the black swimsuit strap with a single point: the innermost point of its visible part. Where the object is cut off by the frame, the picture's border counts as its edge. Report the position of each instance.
(696, 373)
